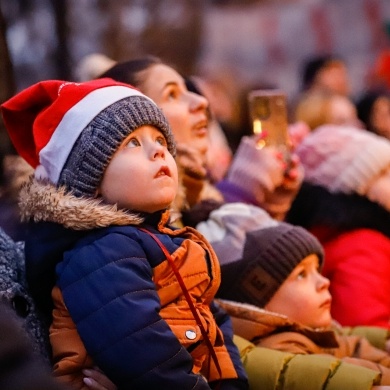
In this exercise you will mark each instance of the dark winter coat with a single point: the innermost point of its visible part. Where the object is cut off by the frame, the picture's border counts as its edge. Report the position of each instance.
(117, 302)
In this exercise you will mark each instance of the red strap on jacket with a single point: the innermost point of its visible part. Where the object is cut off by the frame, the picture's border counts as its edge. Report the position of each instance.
(188, 298)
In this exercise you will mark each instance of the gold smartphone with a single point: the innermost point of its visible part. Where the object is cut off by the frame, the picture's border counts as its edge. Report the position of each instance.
(268, 114)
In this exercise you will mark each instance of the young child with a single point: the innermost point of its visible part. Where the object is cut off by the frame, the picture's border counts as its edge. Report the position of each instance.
(131, 295)
(278, 299)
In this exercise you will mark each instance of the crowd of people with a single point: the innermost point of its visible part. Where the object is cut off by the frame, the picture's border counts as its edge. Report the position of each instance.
(150, 254)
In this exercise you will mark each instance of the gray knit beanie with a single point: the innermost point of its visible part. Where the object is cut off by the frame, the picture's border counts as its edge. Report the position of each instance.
(100, 139)
(270, 255)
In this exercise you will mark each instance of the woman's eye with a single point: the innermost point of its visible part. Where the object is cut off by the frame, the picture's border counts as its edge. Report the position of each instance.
(172, 94)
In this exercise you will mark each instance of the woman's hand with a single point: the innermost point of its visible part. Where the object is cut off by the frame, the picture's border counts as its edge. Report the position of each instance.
(191, 161)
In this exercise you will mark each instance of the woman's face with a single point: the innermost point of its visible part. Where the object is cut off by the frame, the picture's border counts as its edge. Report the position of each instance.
(185, 111)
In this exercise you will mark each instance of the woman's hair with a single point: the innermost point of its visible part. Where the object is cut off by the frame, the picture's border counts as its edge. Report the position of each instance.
(130, 72)
(313, 109)
(365, 104)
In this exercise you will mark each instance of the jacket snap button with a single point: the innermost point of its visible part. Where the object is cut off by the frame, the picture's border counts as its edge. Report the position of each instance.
(190, 334)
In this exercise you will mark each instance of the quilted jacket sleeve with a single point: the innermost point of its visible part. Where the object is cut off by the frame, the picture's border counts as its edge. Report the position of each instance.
(225, 324)
(113, 302)
(283, 370)
(376, 335)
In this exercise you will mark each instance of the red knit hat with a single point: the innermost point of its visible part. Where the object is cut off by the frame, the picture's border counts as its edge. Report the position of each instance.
(46, 120)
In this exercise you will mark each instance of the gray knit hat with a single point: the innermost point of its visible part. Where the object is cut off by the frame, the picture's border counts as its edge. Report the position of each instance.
(100, 139)
(69, 131)
(270, 255)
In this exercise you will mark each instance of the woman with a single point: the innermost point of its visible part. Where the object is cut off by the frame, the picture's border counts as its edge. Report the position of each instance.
(256, 177)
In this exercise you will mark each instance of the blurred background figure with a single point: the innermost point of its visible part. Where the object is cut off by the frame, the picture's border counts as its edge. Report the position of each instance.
(322, 77)
(14, 172)
(373, 109)
(327, 73)
(92, 65)
(319, 108)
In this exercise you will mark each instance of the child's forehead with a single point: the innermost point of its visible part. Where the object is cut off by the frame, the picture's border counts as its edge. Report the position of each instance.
(310, 260)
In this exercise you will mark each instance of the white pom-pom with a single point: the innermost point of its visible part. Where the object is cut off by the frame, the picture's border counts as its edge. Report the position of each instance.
(41, 172)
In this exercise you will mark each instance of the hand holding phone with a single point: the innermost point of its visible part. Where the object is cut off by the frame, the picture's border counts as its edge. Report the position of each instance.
(268, 113)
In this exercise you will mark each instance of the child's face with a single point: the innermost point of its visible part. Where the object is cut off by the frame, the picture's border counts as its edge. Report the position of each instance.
(185, 111)
(142, 175)
(304, 296)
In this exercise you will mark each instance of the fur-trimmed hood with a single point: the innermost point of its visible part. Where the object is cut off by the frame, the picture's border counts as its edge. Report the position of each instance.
(253, 323)
(56, 221)
(43, 202)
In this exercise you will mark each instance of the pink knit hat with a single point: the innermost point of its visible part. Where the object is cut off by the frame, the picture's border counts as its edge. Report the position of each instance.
(343, 159)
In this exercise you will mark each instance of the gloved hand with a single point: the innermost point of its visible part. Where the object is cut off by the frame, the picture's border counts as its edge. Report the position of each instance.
(265, 175)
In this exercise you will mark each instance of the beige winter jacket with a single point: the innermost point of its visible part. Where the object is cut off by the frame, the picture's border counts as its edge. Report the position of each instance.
(276, 331)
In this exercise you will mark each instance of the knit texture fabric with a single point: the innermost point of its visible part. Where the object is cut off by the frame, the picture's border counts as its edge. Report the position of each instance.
(255, 171)
(15, 293)
(343, 159)
(227, 226)
(270, 255)
(68, 132)
(98, 142)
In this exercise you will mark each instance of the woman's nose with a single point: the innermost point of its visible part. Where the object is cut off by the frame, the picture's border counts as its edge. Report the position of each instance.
(198, 102)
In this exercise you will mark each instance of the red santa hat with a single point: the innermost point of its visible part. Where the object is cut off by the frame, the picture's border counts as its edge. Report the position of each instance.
(46, 120)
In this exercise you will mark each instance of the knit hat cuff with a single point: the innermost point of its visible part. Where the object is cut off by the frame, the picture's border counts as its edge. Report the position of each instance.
(270, 255)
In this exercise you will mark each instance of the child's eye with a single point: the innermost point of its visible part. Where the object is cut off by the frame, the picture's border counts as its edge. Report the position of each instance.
(162, 141)
(301, 275)
(132, 143)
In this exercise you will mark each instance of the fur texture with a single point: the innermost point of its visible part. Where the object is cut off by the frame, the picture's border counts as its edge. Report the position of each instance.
(42, 201)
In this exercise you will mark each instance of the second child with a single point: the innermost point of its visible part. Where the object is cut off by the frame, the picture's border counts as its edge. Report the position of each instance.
(278, 299)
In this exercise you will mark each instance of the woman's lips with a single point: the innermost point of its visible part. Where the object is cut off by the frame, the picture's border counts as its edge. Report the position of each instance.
(201, 128)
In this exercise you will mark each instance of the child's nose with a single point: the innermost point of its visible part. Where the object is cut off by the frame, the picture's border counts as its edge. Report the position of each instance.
(158, 151)
(322, 282)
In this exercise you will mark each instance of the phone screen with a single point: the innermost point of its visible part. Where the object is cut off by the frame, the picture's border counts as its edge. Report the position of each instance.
(268, 112)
